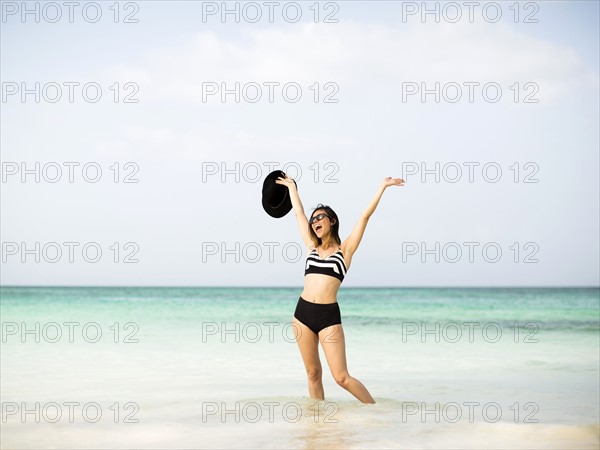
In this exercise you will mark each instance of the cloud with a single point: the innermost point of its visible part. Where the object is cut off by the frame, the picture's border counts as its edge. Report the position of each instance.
(368, 61)
(360, 56)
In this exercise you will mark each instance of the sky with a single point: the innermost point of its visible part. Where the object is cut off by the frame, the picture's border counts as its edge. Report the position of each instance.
(138, 157)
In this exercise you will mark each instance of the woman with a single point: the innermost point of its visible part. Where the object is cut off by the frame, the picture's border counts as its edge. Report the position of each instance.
(317, 317)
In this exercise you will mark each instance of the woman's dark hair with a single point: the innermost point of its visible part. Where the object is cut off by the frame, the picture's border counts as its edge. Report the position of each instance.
(335, 227)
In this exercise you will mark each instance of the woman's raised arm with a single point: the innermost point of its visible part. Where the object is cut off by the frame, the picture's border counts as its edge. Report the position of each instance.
(298, 208)
(351, 243)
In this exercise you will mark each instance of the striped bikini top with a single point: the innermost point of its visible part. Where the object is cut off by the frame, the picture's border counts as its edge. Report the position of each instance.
(334, 265)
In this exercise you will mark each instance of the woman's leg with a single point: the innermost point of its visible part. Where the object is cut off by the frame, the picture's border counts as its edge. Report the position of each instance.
(334, 344)
(309, 349)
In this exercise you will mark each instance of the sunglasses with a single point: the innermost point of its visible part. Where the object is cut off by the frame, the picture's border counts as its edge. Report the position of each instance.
(318, 217)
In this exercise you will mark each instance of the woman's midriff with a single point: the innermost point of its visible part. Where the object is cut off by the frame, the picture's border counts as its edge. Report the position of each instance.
(320, 288)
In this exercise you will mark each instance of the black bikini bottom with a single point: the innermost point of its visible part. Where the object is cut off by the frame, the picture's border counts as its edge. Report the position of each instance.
(317, 316)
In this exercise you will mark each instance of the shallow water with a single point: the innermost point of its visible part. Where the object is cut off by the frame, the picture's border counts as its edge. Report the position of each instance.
(449, 368)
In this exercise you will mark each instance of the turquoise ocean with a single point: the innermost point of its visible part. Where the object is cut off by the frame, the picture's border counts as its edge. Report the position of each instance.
(145, 367)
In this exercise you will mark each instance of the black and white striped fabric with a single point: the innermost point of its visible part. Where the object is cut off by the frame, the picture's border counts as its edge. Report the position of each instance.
(334, 265)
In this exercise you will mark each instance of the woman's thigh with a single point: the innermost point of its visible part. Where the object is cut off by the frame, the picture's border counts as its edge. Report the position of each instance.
(308, 344)
(334, 345)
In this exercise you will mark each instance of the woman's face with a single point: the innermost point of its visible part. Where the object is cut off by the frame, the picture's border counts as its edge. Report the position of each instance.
(321, 227)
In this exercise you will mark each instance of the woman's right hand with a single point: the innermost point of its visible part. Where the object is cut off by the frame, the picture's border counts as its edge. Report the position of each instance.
(287, 181)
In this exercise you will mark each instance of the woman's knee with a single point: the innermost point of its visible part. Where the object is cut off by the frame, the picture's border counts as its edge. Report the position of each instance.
(314, 373)
(342, 378)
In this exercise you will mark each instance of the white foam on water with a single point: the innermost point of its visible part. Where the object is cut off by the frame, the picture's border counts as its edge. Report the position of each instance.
(350, 425)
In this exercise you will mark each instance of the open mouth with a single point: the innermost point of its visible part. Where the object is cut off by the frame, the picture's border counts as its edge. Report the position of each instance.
(318, 227)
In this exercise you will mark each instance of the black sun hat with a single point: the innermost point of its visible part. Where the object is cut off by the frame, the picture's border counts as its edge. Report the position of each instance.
(275, 197)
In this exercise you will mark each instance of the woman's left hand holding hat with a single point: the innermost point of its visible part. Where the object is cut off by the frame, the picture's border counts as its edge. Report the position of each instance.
(287, 181)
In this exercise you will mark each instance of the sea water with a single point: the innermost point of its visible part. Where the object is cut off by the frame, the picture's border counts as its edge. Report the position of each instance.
(126, 367)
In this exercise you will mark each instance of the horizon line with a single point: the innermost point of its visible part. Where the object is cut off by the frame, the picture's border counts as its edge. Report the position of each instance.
(300, 287)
